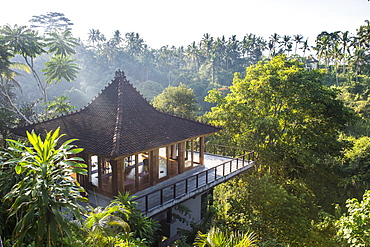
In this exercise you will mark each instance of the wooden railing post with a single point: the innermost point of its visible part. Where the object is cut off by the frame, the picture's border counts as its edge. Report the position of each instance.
(161, 197)
(174, 191)
(197, 177)
(186, 185)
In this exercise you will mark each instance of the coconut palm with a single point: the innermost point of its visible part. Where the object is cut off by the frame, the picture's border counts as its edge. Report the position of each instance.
(206, 45)
(348, 43)
(232, 51)
(305, 47)
(109, 51)
(323, 46)
(252, 47)
(359, 58)
(193, 55)
(117, 39)
(273, 44)
(94, 36)
(135, 44)
(363, 34)
(297, 39)
(286, 44)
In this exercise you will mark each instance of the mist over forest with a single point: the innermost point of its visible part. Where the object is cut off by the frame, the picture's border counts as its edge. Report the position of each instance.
(302, 105)
(207, 63)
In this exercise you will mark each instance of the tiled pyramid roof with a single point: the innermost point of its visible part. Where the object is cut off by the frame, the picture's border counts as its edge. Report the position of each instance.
(119, 121)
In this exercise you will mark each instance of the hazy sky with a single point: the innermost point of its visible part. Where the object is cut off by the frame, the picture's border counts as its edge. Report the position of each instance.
(171, 22)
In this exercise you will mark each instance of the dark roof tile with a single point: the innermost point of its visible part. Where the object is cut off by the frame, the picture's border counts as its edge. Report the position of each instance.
(119, 121)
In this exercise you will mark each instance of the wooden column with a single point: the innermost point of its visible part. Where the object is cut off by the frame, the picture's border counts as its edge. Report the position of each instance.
(137, 184)
(100, 169)
(120, 170)
(113, 164)
(181, 157)
(169, 153)
(192, 152)
(201, 150)
(173, 152)
(153, 166)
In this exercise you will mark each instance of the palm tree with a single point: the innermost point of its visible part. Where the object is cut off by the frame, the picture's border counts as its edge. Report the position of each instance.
(46, 189)
(286, 44)
(135, 44)
(359, 58)
(206, 45)
(345, 40)
(108, 50)
(193, 55)
(117, 39)
(94, 36)
(323, 46)
(363, 34)
(273, 43)
(305, 47)
(221, 52)
(297, 39)
(253, 47)
(232, 50)
(337, 56)
(221, 238)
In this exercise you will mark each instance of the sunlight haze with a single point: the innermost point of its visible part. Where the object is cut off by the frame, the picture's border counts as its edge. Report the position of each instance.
(165, 22)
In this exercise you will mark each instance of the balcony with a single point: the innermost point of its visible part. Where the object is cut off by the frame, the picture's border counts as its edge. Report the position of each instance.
(219, 166)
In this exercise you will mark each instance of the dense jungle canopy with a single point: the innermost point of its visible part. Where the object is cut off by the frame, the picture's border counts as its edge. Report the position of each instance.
(303, 107)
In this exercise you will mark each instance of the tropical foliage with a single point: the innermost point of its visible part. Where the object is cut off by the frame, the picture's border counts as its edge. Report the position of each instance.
(354, 227)
(46, 188)
(41, 201)
(283, 112)
(177, 101)
(303, 107)
(218, 238)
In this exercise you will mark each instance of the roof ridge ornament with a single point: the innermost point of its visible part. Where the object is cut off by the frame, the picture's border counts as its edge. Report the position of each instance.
(120, 74)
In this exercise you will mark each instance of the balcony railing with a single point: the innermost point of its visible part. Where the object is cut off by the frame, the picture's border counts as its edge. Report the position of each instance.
(162, 198)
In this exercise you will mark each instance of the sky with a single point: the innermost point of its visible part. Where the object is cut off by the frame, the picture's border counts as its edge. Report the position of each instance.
(179, 23)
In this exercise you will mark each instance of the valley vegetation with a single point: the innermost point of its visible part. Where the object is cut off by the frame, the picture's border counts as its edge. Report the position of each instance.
(303, 107)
